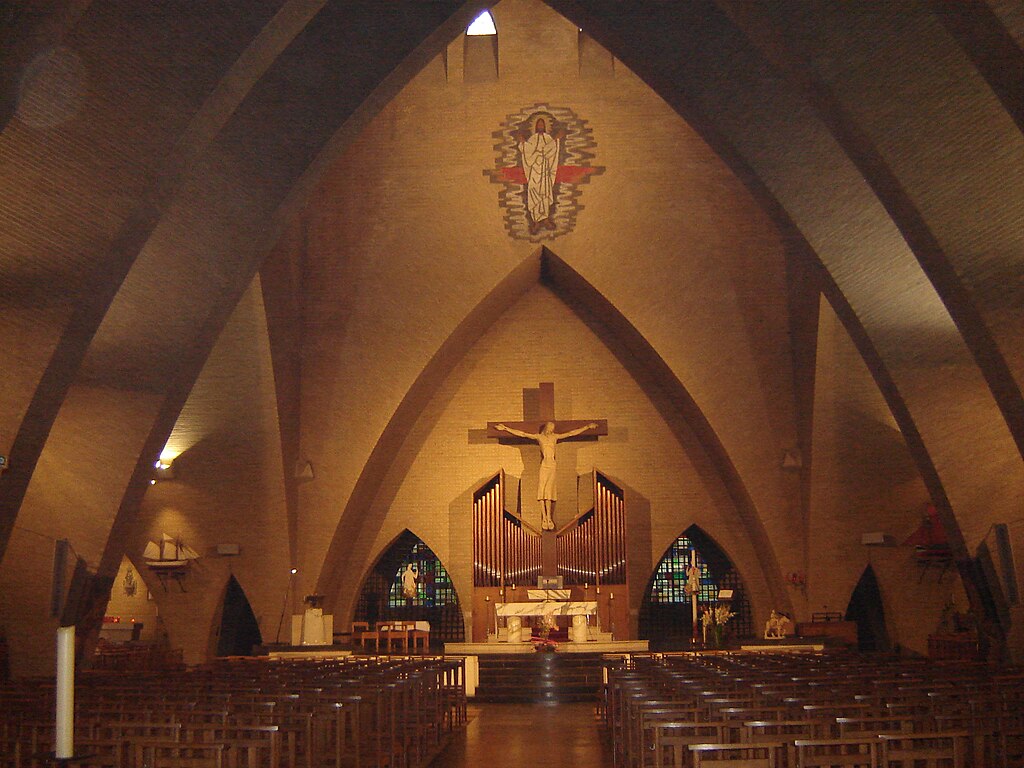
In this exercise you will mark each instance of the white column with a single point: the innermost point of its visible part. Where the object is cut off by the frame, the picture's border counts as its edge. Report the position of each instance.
(515, 628)
(64, 740)
(579, 628)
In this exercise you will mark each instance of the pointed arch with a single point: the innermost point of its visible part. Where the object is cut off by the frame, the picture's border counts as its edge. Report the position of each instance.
(480, 50)
(867, 609)
(719, 110)
(482, 25)
(239, 631)
(676, 406)
(381, 595)
(666, 614)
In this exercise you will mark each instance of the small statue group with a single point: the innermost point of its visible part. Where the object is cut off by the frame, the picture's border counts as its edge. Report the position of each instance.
(777, 626)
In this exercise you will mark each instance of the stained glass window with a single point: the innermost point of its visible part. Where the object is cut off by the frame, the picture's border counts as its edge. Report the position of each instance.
(669, 585)
(433, 586)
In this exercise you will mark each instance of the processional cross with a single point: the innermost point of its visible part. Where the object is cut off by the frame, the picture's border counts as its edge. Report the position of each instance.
(546, 431)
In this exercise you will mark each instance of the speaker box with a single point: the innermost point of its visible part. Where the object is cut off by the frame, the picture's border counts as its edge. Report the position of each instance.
(1007, 569)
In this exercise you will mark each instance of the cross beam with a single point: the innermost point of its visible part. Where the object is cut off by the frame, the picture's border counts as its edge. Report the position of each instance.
(545, 413)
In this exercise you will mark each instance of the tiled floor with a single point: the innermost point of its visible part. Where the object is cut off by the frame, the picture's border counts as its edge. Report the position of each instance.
(517, 735)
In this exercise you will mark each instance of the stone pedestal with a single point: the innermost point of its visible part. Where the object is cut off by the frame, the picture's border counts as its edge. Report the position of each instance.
(515, 629)
(578, 631)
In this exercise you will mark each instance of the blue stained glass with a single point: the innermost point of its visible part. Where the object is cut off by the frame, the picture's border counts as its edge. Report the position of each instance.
(433, 585)
(670, 578)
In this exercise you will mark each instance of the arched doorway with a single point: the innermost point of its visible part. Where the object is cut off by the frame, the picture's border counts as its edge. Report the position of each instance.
(666, 618)
(239, 630)
(866, 609)
(382, 597)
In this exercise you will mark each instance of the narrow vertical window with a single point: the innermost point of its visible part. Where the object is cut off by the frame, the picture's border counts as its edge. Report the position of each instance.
(482, 25)
(481, 52)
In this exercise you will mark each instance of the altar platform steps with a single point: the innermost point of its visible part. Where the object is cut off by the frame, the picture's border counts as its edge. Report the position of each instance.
(540, 678)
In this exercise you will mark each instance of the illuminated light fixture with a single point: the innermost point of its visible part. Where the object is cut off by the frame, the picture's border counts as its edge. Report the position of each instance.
(294, 571)
(163, 469)
(482, 25)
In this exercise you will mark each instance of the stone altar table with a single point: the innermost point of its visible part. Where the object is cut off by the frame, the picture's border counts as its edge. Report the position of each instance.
(577, 609)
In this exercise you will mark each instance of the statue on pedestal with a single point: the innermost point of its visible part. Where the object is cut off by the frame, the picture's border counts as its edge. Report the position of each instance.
(409, 581)
(777, 626)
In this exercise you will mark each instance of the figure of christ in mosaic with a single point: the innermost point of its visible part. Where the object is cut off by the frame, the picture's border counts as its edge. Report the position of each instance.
(547, 483)
(539, 153)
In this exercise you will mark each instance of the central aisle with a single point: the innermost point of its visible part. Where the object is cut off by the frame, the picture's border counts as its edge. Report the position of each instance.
(514, 735)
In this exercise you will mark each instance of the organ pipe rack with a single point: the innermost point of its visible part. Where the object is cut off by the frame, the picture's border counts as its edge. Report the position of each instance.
(592, 548)
(506, 550)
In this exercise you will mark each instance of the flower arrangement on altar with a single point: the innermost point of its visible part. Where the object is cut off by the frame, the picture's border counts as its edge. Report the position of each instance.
(544, 643)
(713, 619)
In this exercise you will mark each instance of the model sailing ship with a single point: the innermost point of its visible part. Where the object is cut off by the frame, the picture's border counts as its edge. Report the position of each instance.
(169, 555)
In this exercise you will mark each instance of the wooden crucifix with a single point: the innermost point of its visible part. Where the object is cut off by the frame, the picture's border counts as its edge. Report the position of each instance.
(546, 432)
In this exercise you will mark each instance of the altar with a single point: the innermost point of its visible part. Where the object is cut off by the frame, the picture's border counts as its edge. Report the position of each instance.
(547, 604)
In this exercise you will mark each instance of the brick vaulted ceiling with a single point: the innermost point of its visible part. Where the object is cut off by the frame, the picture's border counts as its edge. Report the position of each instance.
(154, 154)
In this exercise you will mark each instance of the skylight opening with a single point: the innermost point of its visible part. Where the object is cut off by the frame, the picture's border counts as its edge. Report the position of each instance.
(482, 25)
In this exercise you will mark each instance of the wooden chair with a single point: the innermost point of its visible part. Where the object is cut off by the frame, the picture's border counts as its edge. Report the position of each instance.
(854, 727)
(174, 754)
(673, 738)
(837, 753)
(766, 754)
(366, 635)
(785, 730)
(359, 631)
(1009, 748)
(10, 752)
(419, 638)
(101, 753)
(935, 749)
(397, 633)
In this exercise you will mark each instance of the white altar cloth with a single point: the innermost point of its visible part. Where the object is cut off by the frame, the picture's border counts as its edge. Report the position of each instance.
(548, 608)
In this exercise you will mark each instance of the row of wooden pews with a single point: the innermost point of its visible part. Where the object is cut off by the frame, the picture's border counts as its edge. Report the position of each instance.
(362, 712)
(136, 657)
(811, 710)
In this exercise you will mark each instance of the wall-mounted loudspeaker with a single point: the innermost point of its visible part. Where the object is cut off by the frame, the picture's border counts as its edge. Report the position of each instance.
(1007, 569)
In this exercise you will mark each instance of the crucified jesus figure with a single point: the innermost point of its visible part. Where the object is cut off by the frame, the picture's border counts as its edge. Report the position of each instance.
(546, 485)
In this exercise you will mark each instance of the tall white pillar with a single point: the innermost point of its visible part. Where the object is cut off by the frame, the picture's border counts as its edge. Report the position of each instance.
(64, 741)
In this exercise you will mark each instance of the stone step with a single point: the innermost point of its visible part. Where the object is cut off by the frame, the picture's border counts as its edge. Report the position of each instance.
(540, 677)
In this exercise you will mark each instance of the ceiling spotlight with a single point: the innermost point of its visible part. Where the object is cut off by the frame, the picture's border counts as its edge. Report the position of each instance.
(163, 469)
